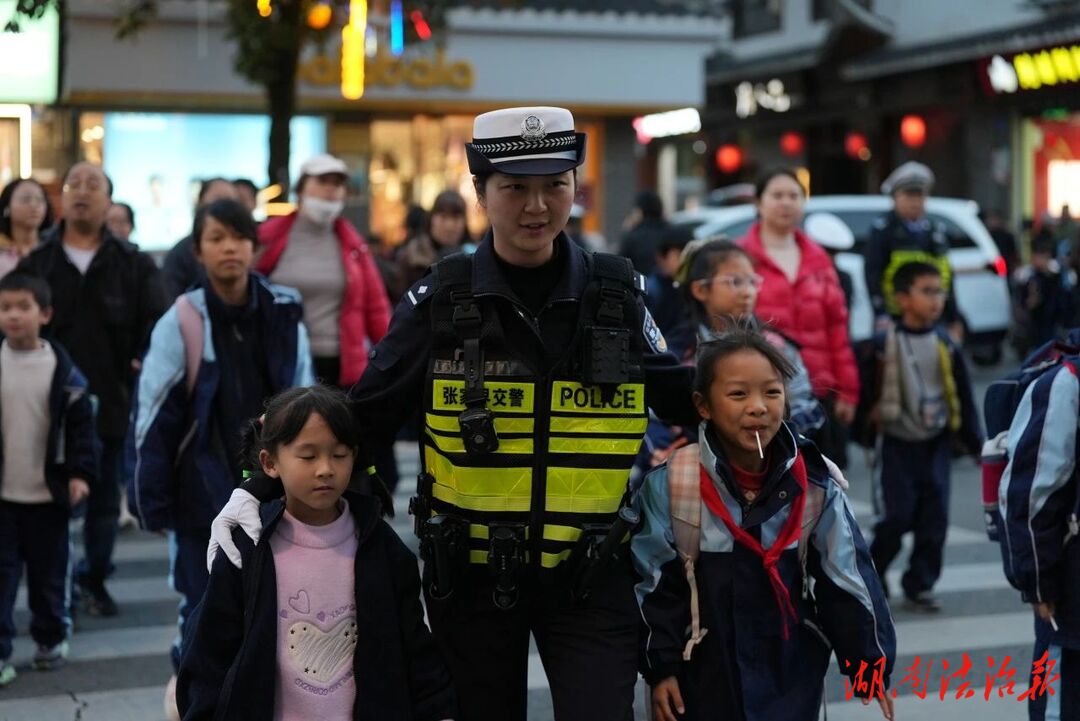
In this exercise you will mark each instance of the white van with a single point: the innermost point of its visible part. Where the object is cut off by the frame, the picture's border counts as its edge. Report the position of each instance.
(981, 285)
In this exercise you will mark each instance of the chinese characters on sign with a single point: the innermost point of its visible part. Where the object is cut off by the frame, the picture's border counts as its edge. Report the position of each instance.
(868, 680)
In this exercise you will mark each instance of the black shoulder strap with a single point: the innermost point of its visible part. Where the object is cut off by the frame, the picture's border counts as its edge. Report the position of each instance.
(618, 285)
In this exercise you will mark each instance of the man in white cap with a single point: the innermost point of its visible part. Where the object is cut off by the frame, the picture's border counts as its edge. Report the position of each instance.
(535, 364)
(903, 235)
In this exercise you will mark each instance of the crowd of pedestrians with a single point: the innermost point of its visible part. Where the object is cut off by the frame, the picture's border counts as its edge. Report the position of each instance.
(247, 396)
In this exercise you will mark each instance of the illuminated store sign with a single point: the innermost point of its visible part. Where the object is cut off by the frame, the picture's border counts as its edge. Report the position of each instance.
(1033, 70)
(29, 59)
(749, 97)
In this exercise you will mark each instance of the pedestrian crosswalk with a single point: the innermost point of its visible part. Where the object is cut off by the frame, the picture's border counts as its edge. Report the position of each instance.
(118, 666)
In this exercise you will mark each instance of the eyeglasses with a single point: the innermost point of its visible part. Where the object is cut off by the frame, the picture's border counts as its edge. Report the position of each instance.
(738, 283)
(34, 199)
(92, 185)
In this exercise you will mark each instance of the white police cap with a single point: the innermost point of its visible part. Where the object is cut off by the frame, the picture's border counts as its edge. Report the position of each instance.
(909, 176)
(525, 141)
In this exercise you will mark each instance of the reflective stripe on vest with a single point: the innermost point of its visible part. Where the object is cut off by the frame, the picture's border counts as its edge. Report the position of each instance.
(581, 447)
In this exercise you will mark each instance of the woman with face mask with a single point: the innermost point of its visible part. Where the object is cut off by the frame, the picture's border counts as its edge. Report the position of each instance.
(322, 255)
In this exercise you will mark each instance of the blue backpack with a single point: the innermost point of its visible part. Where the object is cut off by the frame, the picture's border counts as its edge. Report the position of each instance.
(999, 406)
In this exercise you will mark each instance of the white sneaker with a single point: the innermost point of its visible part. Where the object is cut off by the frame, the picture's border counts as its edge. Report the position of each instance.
(7, 673)
(171, 712)
(46, 658)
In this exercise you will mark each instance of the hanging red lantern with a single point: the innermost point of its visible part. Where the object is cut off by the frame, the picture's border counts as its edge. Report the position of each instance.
(792, 143)
(855, 145)
(913, 131)
(729, 158)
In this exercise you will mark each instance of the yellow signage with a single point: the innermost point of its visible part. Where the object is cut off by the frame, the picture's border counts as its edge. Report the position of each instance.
(1034, 70)
(420, 73)
(352, 51)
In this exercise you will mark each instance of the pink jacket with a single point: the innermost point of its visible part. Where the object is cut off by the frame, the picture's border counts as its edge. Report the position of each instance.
(365, 310)
(811, 311)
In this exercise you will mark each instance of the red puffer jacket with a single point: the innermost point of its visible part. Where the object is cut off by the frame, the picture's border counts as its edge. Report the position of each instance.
(365, 310)
(811, 311)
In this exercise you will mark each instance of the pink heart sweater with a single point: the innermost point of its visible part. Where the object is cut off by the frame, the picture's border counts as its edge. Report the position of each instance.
(316, 618)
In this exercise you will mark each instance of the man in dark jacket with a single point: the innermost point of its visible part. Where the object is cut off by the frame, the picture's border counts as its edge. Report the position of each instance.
(106, 298)
(639, 244)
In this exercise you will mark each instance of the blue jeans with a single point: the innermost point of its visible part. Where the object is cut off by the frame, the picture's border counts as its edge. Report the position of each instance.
(102, 515)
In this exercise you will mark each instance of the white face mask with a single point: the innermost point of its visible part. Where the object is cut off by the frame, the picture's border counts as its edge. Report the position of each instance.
(321, 212)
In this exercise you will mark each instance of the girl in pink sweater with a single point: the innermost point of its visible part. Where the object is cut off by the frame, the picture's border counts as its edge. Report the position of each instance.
(323, 619)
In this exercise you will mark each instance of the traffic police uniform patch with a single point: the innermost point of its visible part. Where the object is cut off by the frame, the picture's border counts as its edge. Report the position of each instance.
(652, 333)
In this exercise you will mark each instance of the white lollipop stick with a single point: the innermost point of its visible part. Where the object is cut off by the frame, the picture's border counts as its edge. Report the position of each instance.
(760, 452)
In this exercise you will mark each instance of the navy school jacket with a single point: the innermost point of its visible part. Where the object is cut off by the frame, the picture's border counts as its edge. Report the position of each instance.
(70, 451)
(177, 476)
(1039, 497)
(743, 668)
(228, 668)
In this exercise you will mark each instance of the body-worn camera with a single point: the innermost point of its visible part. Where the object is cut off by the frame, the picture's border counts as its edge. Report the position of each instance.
(478, 431)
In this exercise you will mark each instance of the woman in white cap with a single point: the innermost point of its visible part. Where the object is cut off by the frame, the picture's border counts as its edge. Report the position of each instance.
(318, 252)
(535, 363)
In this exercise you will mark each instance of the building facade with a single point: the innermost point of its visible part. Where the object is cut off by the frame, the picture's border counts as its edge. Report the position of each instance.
(166, 108)
(983, 91)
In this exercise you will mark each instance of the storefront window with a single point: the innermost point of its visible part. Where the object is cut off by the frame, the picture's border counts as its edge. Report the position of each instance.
(1051, 165)
(158, 160)
(413, 160)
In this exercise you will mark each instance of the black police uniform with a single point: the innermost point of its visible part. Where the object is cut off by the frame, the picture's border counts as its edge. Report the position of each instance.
(892, 244)
(559, 471)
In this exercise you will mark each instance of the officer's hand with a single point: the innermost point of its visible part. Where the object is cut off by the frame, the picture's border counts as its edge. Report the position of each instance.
(667, 700)
(241, 510)
(956, 332)
(886, 704)
(78, 490)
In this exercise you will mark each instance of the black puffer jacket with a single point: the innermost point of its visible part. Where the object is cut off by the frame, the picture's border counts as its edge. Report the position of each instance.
(230, 646)
(103, 318)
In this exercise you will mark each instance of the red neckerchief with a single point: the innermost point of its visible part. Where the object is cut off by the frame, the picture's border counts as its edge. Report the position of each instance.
(790, 533)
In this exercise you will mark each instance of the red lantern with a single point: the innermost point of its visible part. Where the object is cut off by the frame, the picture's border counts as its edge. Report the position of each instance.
(792, 143)
(729, 158)
(913, 131)
(855, 145)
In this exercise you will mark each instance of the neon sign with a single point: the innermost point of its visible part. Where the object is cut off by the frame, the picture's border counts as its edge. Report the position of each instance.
(1034, 70)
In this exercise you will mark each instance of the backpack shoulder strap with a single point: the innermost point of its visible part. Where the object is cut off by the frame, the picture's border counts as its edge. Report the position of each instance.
(191, 331)
(684, 491)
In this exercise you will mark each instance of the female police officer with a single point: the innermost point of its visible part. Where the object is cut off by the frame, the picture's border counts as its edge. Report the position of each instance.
(535, 363)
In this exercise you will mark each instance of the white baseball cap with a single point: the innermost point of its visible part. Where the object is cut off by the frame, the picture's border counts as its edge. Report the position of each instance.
(324, 164)
(536, 140)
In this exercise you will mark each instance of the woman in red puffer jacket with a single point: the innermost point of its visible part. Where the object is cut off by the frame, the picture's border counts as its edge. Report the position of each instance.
(801, 297)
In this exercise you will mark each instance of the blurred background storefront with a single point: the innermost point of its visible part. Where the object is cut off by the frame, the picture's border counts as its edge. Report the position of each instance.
(166, 109)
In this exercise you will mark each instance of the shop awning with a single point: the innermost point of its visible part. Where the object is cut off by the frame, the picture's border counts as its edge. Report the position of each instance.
(721, 68)
(1057, 31)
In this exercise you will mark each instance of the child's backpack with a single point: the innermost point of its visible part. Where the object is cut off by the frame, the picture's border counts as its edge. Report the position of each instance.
(999, 406)
(684, 488)
(191, 331)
